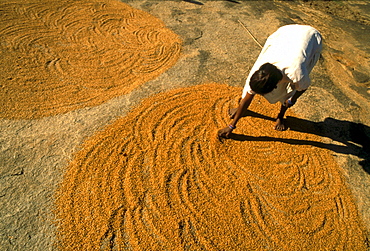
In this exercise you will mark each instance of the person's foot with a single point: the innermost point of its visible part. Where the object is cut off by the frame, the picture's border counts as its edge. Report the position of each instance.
(280, 125)
(232, 112)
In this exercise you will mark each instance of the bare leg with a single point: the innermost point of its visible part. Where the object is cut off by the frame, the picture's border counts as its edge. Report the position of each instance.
(280, 125)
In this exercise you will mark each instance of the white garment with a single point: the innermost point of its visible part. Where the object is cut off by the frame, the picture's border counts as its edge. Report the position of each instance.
(294, 49)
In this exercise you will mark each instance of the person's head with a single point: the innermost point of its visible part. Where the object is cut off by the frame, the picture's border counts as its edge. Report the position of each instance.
(265, 79)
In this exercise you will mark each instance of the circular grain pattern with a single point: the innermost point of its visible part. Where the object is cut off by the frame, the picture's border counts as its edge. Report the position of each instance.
(58, 56)
(159, 179)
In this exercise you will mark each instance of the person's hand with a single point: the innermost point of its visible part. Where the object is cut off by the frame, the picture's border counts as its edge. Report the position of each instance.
(225, 132)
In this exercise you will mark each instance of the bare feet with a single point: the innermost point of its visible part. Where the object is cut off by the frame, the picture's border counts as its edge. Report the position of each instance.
(280, 126)
(232, 112)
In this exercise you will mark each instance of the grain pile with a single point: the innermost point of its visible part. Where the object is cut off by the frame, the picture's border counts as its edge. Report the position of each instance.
(159, 179)
(61, 55)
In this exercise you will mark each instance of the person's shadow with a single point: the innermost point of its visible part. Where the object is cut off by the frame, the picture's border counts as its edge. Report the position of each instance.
(355, 137)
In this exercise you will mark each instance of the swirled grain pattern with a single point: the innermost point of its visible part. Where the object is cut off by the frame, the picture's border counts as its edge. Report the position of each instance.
(60, 55)
(159, 179)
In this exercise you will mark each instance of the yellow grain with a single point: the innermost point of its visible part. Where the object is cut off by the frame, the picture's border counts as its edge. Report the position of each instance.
(159, 179)
(59, 55)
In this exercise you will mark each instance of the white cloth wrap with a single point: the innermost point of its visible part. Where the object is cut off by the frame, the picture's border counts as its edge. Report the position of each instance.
(294, 49)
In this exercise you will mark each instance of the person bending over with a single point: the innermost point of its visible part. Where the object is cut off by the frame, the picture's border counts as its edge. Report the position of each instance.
(281, 72)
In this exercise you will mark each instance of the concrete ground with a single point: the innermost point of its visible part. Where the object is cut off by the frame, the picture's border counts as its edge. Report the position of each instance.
(35, 153)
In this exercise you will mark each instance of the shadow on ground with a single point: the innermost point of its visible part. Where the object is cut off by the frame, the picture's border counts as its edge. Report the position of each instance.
(355, 137)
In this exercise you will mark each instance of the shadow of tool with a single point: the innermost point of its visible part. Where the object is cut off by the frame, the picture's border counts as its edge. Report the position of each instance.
(194, 2)
(354, 137)
(200, 3)
(233, 1)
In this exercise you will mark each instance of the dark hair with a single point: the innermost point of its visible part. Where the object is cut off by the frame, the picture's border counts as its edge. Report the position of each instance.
(265, 79)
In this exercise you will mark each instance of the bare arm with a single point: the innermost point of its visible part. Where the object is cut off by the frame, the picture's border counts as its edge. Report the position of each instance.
(243, 106)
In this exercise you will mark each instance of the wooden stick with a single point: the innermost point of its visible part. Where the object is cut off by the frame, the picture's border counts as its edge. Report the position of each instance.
(255, 40)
